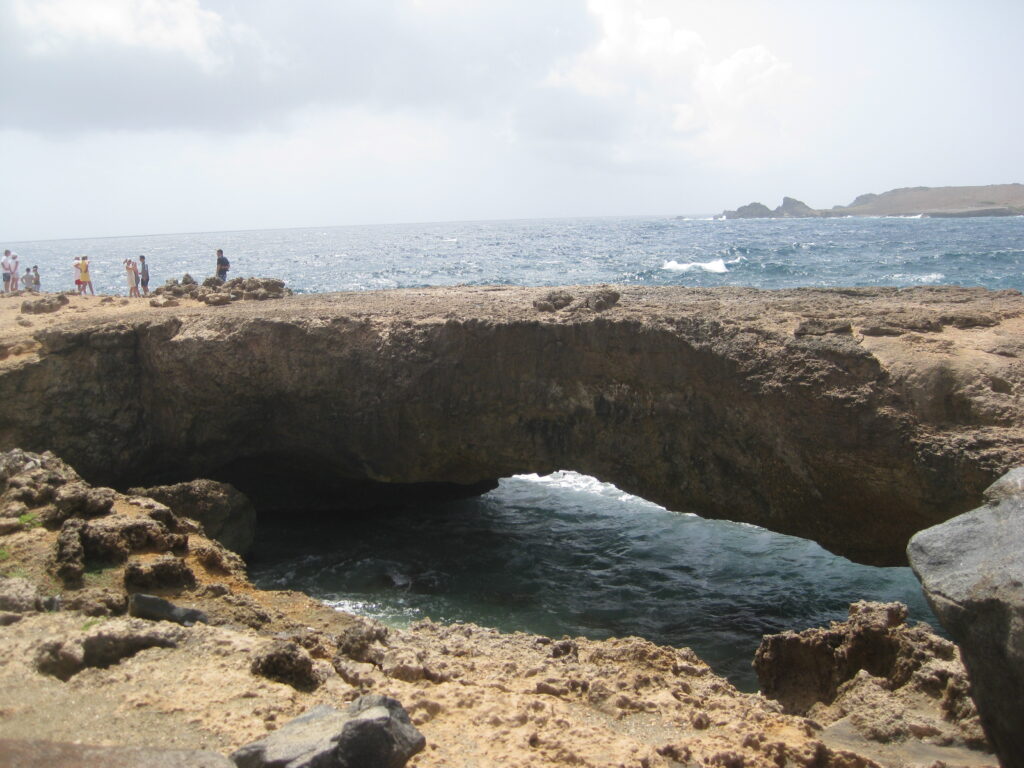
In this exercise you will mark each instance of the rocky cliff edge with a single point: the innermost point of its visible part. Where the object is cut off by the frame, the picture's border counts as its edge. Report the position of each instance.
(854, 417)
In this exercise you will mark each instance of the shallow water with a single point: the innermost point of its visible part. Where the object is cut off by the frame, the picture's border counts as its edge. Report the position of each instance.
(567, 555)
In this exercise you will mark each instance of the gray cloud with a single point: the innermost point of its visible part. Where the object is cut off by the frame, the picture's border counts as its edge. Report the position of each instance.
(272, 59)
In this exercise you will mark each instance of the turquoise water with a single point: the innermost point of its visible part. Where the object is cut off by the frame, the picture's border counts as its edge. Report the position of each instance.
(566, 554)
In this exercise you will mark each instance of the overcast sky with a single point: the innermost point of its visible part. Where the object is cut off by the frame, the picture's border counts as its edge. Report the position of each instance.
(150, 116)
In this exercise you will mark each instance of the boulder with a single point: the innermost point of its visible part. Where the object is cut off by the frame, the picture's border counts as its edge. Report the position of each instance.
(552, 301)
(103, 646)
(18, 596)
(601, 299)
(972, 570)
(167, 572)
(225, 513)
(43, 305)
(285, 661)
(372, 731)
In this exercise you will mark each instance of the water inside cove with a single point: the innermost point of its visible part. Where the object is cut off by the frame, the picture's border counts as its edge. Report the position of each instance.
(565, 554)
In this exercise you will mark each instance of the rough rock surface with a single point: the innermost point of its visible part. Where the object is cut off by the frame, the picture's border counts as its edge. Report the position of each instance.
(226, 514)
(972, 571)
(373, 730)
(700, 400)
(79, 671)
(879, 678)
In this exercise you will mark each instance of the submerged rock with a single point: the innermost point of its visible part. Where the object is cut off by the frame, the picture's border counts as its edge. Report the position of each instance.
(972, 571)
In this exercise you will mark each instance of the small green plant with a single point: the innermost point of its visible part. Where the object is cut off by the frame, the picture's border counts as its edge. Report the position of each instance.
(30, 520)
(16, 573)
(90, 623)
(4, 554)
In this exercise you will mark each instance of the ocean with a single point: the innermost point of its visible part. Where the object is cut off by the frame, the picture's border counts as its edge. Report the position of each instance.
(566, 554)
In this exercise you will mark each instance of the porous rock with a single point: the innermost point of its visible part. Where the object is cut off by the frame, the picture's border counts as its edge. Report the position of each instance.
(44, 304)
(552, 301)
(373, 731)
(601, 299)
(167, 572)
(226, 514)
(287, 662)
(854, 667)
(972, 570)
(103, 646)
(19, 596)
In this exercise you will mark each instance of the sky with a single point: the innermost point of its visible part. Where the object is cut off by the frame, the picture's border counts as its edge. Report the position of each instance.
(124, 117)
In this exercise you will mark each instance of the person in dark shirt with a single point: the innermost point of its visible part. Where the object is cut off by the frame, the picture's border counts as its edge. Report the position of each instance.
(223, 265)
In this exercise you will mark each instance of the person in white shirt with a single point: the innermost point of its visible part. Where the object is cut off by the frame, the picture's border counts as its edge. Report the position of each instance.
(15, 276)
(6, 266)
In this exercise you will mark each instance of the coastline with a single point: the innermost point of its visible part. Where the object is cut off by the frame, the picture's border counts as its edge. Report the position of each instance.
(509, 699)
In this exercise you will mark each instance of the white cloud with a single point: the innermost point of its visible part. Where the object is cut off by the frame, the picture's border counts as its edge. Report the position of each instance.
(677, 99)
(175, 26)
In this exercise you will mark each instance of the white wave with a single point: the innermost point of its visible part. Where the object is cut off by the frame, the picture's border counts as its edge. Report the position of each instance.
(451, 239)
(575, 481)
(715, 265)
(931, 277)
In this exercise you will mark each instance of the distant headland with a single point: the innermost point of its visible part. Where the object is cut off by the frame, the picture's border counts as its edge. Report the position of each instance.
(940, 202)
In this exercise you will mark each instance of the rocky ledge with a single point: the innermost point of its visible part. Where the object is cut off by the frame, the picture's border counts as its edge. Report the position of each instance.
(129, 638)
(853, 417)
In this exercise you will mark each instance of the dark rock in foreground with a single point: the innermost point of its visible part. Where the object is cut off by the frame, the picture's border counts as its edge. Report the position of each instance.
(972, 571)
(373, 731)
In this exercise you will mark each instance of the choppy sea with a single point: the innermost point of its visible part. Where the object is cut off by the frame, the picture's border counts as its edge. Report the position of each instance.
(566, 553)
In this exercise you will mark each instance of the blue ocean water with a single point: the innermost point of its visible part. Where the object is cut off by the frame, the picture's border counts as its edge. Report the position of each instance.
(764, 253)
(567, 554)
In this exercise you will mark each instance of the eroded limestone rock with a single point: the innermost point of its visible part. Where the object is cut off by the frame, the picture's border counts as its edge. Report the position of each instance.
(225, 513)
(892, 680)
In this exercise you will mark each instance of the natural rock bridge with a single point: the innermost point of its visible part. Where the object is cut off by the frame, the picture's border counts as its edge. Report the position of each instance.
(852, 417)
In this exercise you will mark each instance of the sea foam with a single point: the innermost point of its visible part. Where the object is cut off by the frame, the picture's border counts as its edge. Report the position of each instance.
(715, 265)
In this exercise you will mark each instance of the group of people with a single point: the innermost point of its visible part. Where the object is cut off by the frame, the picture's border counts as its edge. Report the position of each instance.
(13, 279)
(137, 274)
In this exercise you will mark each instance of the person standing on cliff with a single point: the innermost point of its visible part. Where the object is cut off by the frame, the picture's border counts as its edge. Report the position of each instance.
(223, 265)
(83, 267)
(6, 266)
(144, 275)
(12, 261)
